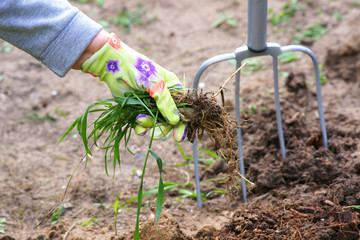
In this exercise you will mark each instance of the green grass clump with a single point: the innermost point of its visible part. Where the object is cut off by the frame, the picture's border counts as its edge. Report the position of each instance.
(127, 19)
(57, 214)
(224, 19)
(312, 33)
(289, 10)
(35, 116)
(2, 225)
(288, 57)
(252, 66)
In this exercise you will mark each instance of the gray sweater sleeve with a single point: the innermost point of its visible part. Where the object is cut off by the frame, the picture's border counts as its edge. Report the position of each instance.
(52, 31)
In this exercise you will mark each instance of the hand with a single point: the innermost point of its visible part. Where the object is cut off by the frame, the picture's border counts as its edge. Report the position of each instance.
(125, 70)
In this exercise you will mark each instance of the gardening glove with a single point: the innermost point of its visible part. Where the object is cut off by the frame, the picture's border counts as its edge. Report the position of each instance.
(125, 70)
(144, 122)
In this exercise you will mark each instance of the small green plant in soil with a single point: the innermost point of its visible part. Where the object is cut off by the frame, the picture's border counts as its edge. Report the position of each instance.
(55, 217)
(253, 109)
(2, 225)
(201, 158)
(323, 77)
(289, 10)
(35, 116)
(252, 66)
(288, 57)
(127, 19)
(338, 15)
(311, 34)
(224, 19)
(60, 112)
(283, 74)
(91, 221)
(186, 193)
(6, 47)
(101, 205)
(133, 171)
(167, 187)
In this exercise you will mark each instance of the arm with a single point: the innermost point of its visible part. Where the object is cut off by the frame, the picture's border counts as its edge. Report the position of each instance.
(62, 37)
(54, 32)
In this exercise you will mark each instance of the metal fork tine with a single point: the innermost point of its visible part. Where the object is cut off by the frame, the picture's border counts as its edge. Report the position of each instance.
(277, 106)
(239, 137)
(197, 177)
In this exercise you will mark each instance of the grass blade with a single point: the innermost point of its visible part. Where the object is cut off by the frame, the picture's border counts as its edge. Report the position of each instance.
(116, 211)
(140, 194)
(70, 128)
(160, 196)
(136, 234)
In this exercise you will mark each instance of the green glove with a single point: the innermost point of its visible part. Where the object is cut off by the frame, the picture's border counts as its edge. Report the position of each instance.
(125, 70)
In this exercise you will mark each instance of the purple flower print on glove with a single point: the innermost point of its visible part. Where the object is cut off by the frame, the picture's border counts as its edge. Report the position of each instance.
(113, 66)
(146, 69)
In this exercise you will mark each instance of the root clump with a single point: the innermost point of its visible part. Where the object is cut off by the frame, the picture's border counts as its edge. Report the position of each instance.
(205, 115)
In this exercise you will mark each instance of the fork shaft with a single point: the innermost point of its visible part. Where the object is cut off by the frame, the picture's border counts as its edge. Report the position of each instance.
(257, 17)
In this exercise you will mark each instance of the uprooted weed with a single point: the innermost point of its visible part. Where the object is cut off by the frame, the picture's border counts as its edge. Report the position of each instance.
(117, 117)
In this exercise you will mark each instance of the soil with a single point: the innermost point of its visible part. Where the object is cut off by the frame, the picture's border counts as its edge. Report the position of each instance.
(307, 195)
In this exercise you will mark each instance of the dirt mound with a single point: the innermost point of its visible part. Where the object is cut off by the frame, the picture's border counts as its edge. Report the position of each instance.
(345, 192)
(306, 161)
(322, 221)
(307, 194)
(168, 226)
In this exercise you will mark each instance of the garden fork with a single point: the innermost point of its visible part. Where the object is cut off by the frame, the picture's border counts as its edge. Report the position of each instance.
(257, 46)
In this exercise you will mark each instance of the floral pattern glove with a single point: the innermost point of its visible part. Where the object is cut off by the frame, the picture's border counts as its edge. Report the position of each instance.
(124, 70)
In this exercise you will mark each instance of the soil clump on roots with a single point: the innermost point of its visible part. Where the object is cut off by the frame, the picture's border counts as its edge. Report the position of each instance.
(205, 116)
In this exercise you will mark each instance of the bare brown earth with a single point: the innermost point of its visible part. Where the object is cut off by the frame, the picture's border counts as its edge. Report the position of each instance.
(305, 196)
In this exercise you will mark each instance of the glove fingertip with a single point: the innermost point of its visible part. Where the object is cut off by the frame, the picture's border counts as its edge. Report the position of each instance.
(140, 130)
(161, 131)
(180, 132)
(174, 119)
